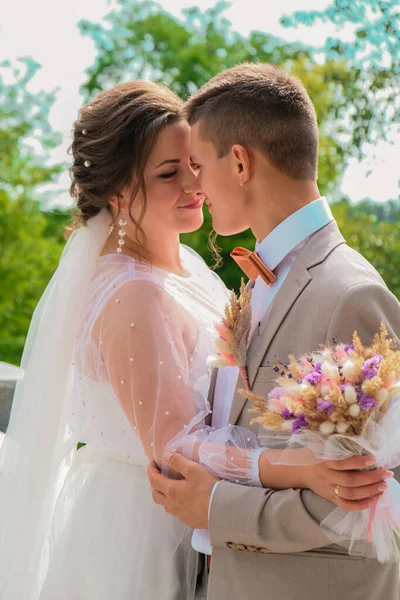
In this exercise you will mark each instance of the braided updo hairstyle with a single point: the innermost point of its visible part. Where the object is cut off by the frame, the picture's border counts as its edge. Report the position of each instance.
(112, 140)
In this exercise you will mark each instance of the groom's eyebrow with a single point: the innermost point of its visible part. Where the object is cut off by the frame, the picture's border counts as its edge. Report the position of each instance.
(169, 160)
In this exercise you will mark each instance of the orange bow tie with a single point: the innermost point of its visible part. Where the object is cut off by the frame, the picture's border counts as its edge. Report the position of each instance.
(252, 265)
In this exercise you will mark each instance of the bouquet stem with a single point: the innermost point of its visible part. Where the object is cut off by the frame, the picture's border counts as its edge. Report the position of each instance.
(245, 377)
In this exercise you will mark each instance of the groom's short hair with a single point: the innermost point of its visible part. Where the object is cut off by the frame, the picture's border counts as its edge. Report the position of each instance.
(259, 105)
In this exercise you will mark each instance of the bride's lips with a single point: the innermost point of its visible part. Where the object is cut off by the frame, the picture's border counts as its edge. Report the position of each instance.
(194, 204)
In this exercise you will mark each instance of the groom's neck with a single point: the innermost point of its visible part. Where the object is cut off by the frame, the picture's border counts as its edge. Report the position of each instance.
(273, 202)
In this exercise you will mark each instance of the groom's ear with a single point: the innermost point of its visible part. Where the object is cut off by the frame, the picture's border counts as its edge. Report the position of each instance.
(241, 163)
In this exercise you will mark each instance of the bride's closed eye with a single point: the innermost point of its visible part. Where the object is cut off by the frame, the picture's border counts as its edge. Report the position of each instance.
(168, 175)
(171, 174)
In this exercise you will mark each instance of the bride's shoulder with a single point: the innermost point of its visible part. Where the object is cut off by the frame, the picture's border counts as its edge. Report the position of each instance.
(119, 280)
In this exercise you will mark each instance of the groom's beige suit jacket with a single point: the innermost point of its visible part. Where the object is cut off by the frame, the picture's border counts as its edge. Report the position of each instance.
(268, 544)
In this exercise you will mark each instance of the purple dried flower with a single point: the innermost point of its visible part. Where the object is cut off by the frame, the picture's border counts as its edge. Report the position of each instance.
(369, 373)
(318, 367)
(348, 348)
(286, 414)
(325, 405)
(300, 423)
(376, 359)
(369, 369)
(367, 402)
(313, 377)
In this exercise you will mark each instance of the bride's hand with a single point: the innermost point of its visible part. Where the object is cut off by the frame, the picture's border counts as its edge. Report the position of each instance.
(342, 481)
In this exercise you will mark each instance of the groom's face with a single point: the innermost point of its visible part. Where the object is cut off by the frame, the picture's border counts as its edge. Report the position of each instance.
(217, 179)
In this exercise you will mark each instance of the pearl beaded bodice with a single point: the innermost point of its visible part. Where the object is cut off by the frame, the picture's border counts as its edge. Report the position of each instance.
(140, 367)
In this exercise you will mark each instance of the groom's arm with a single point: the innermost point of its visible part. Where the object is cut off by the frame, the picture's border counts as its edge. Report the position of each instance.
(289, 520)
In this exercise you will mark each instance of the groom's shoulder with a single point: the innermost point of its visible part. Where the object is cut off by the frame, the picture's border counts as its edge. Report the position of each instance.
(333, 265)
(346, 277)
(351, 267)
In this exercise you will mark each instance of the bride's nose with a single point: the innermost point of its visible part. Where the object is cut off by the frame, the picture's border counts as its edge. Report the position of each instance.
(191, 184)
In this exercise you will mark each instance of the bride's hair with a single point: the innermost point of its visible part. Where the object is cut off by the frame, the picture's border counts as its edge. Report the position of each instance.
(112, 140)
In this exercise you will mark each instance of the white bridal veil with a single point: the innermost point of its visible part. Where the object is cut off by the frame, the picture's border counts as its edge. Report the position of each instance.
(37, 448)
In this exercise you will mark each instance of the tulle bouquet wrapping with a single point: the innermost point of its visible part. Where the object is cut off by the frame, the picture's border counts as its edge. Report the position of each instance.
(338, 402)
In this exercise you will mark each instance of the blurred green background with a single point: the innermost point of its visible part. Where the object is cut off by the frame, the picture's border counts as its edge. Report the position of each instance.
(353, 84)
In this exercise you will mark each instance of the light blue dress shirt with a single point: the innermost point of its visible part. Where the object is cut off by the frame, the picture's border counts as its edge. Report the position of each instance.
(278, 250)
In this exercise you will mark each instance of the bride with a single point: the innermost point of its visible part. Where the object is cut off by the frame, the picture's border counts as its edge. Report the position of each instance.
(115, 358)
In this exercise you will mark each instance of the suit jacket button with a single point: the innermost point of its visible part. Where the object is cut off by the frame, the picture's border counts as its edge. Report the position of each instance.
(251, 548)
(230, 545)
(240, 547)
(262, 550)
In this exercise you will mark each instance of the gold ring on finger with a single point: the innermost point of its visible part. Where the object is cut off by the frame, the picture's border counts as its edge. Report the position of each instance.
(336, 492)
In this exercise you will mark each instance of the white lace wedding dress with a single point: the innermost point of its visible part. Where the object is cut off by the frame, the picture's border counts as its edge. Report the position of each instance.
(140, 379)
(115, 358)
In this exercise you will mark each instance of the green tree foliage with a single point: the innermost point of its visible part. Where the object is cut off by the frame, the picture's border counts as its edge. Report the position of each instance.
(373, 52)
(141, 40)
(28, 254)
(376, 239)
(382, 211)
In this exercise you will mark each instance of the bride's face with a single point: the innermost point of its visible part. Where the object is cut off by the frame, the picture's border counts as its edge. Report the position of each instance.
(174, 199)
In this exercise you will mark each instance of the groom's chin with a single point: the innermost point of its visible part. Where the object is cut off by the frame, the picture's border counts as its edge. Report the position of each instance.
(227, 229)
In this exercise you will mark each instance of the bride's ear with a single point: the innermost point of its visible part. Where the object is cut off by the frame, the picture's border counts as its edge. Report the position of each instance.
(118, 201)
(241, 163)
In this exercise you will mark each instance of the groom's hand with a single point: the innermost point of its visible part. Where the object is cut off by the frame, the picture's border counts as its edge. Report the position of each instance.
(186, 499)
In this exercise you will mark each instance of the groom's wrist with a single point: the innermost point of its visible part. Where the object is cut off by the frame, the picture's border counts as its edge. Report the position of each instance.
(281, 477)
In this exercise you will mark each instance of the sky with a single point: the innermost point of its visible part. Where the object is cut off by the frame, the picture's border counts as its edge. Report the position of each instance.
(47, 31)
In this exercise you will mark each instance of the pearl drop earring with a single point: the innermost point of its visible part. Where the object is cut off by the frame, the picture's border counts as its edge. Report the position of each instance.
(121, 233)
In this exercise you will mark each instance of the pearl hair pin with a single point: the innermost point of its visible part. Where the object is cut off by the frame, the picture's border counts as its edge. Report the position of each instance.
(87, 163)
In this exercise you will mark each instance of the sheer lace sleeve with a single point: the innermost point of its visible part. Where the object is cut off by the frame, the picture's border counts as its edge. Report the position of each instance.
(145, 341)
(144, 344)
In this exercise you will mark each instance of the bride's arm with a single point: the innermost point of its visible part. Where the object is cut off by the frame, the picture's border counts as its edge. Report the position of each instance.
(141, 335)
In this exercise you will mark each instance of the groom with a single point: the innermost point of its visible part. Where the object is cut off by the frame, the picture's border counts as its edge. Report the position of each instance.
(255, 139)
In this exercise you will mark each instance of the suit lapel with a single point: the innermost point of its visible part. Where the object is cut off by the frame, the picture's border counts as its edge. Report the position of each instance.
(317, 249)
(296, 281)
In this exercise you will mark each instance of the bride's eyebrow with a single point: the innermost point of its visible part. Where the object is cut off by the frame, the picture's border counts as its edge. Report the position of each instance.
(169, 160)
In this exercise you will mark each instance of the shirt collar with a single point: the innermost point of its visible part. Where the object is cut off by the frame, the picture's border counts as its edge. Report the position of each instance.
(294, 230)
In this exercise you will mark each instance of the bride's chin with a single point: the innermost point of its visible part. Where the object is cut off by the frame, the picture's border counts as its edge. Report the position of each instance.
(192, 222)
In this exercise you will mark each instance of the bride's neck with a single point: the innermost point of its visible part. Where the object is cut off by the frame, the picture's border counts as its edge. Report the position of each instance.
(162, 252)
